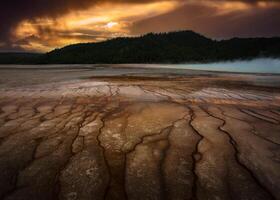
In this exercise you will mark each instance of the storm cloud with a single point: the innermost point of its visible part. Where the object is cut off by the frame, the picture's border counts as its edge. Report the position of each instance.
(14, 11)
(203, 16)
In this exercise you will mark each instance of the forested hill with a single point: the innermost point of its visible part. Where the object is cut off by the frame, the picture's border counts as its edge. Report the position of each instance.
(174, 47)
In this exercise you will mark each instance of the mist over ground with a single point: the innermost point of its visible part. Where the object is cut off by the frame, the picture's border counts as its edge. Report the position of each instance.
(259, 65)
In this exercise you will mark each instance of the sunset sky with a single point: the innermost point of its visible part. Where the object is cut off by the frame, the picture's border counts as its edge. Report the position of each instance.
(42, 25)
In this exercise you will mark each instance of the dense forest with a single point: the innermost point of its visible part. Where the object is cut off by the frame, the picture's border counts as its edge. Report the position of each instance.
(174, 47)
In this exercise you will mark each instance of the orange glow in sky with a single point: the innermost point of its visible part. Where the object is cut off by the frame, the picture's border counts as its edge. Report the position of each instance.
(95, 24)
(103, 21)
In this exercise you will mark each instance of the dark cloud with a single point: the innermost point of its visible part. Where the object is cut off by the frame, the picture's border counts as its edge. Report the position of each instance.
(210, 21)
(198, 17)
(12, 12)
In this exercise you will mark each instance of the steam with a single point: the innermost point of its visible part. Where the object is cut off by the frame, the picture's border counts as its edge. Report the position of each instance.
(259, 65)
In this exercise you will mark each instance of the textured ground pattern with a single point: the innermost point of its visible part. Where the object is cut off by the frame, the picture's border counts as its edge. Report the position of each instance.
(140, 138)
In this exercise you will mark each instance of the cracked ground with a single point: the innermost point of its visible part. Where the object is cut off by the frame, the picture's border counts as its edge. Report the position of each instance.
(89, 134)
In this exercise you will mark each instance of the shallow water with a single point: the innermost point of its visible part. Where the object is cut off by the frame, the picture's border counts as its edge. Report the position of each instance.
(260, 65)
(261, 72)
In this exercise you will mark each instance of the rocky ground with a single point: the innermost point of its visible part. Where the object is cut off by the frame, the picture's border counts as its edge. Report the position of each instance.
(141, 137)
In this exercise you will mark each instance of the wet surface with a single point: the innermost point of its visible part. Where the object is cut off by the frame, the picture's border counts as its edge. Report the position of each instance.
(140, 136)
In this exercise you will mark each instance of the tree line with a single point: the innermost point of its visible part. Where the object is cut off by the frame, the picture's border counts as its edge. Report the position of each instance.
(174, 47)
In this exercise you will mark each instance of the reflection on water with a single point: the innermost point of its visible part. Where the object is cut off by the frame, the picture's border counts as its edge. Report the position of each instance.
(22, 75)
(260, 65)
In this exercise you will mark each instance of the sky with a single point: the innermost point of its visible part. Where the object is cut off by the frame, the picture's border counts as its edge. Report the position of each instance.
(43, 25)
